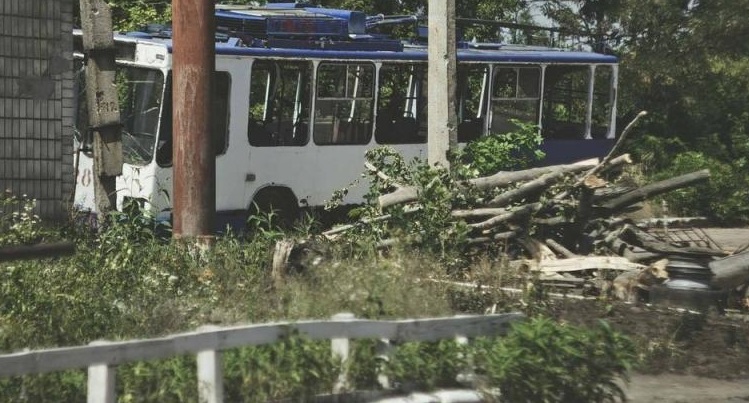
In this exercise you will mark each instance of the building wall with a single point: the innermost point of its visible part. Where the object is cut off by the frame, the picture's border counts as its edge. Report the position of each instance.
(36, 102)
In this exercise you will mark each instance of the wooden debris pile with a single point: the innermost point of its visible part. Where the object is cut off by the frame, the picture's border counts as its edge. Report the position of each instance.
(569, 222)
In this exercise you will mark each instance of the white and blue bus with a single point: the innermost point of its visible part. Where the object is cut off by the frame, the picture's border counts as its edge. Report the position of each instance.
(300, 94)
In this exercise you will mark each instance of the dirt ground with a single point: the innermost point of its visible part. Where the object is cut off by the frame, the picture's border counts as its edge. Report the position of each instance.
(691, 357)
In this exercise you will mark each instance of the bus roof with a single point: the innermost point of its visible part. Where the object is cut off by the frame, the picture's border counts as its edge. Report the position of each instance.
(296, 30)
(510, 54)
(493, 54)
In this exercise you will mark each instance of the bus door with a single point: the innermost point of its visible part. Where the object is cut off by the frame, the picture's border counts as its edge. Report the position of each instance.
(229, 119)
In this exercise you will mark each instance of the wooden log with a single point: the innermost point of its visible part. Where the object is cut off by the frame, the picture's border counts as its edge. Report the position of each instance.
(624, 159)
(478, 212)
(537, 249)
(655, 189)
(551, 221)
(496, 237)
(505, 178)
(402, 195)
(331, 234)
(583, 214)
(634, 254)
(533, 187)
(607, 193)
(608, 158)
(559, 248)
(730, 272)
(382, 175)
(510, 215)
(500, 179)
(588, 179)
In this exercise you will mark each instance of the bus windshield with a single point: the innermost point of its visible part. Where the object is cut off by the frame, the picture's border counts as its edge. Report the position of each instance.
(141, 93)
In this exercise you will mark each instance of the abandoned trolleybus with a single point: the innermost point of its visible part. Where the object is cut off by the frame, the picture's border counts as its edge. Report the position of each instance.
(301, 93)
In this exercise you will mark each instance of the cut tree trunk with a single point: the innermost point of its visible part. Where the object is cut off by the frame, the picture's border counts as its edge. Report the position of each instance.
(500, 179)
(655, 189)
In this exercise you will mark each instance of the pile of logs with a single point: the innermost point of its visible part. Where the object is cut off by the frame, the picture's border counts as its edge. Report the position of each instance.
(580, 231)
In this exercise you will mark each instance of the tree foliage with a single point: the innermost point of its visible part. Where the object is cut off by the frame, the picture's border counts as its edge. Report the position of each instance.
(685, 62)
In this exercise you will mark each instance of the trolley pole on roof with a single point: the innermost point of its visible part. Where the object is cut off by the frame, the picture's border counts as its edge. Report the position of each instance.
(442, 122)
(194, 186)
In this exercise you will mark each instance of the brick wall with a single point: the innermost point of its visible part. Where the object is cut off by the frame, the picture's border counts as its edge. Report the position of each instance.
(36, 95)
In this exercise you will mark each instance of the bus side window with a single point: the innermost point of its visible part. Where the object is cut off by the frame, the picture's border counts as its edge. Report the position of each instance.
(344, 106)
(565, 102)
(602, 102)
(279, 103)
(515, 96)
(219, 119)
(401, 105)
(220, 112)
(471, 88)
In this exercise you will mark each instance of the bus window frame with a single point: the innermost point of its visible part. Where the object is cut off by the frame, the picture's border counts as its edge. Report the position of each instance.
(263, 132)
(164, 147)
(409, 123)
(335, 130)
(496, 68)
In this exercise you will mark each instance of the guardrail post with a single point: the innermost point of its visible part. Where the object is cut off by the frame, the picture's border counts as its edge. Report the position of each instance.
(384, 349)
(340, 348)
(210, 374)
(101, 381)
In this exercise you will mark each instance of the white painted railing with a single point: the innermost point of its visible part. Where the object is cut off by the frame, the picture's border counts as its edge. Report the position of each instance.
(102, 357)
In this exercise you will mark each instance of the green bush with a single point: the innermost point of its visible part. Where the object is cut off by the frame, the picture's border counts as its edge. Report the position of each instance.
(542, 361)
(19, 224)
(424, 366)
(440, 190)
(507, 151)
(724, 198)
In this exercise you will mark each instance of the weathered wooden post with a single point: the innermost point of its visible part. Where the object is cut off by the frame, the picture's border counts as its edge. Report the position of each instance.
(103, 104)
(442, 122)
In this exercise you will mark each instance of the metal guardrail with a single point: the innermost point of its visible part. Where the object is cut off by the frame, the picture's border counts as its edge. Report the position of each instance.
(102, 357)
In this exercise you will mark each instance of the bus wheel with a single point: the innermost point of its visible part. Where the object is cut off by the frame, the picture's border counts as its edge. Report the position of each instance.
(274, 208)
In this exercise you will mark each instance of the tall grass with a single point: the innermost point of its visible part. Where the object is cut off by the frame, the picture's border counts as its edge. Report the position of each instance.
(127, 281)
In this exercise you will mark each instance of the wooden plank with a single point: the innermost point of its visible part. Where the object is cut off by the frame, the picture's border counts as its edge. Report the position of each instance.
(116, 353)
(587, 263)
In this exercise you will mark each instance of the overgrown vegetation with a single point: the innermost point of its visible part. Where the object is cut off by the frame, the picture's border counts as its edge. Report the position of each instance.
(19, 224)
(440, 191)
(129, 280)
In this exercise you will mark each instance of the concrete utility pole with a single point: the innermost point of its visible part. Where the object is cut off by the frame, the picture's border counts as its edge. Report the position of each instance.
(103, 104)
(442, 119)
(194, 194)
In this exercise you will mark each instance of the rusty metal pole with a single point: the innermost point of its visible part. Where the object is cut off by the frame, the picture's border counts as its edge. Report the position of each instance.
(194, 192)
(442, 120)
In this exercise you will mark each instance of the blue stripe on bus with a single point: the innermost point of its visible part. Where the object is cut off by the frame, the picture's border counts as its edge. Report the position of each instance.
(468, 55)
